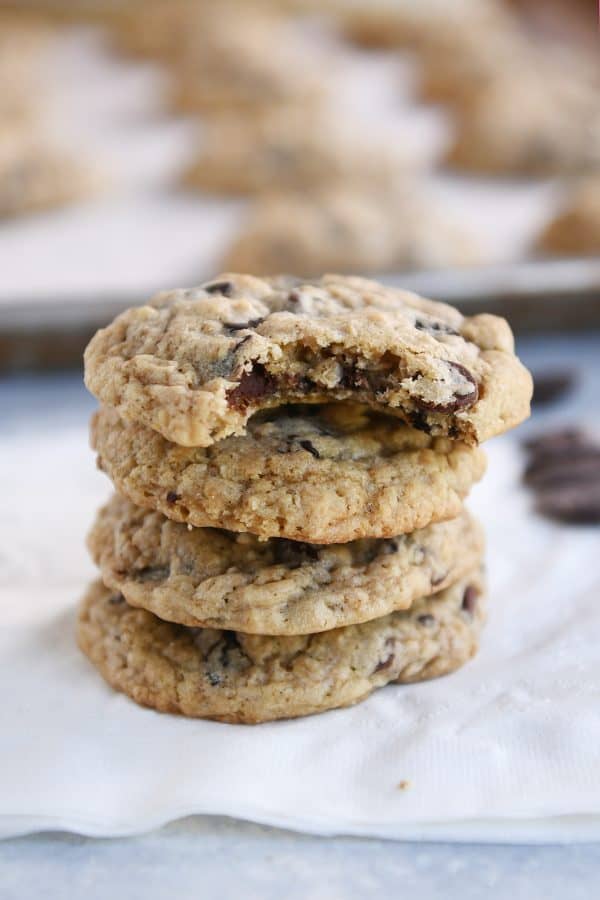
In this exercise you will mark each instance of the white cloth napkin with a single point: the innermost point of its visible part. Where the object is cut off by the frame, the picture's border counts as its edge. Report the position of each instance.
(505, 749)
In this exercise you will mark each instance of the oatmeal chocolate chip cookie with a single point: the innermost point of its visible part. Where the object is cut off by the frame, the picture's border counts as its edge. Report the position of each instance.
(354, 229)
(196, 364)
(219, 579)
(236, 677)
(290, 149)
(318, 474)
(576, 229)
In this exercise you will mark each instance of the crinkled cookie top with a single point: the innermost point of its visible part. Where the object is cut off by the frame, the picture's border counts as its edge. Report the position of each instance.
(196, 364)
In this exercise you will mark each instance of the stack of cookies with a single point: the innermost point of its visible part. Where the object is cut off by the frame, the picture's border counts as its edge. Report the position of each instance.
(290, 461)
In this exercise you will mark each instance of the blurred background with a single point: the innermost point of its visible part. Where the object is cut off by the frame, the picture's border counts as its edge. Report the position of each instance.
(452, 146)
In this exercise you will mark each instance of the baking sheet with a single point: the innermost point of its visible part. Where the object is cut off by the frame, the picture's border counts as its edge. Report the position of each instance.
(142, 233)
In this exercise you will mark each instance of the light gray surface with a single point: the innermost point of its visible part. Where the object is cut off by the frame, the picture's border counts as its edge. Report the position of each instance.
(224, 859)
(217, 858)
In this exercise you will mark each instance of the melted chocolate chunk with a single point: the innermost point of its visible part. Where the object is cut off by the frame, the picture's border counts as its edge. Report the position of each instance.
(294, 554)
(153, 573)
(353, 378)
(253, 386)
(239, 326)
(229, 642)
(418, 420)
(300, 384)
(387, 661)
(426, 619)
(379, 548)
(172, 497)
(219, 287)
(213, 678)
(469, 601)
(306, 445)
(389, 547)
(459, 401)
(438, 579)
(434, 327)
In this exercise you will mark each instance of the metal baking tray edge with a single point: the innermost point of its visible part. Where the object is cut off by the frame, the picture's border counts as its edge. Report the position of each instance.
(536, 296)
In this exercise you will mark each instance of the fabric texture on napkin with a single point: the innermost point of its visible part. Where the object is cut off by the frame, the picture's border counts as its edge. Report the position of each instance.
(505, 749)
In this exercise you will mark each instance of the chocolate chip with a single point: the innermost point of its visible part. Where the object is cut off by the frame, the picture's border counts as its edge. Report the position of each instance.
(306, 445)
(153, 573)
(434, 327)
(469, 601)
(418, 420)
(293, 554)
(239, 326)
(549, 387)
(300, 384)
(116, 599)
(379, 548)
(213, 678)
(387, 661)
(219, 287)
(458, 401)
(253, 386)
(438, 579)
(353, 378)
(227, 643)
(172, 497)
(426, 619)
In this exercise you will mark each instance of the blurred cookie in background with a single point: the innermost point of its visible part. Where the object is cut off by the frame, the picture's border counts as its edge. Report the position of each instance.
(575, 231)
(535, 121)
(37, 175)
(244, 60)
(75, 10)
(164, 26)
(350, 229)
(463, 63)
(23, 45)
(291, 149)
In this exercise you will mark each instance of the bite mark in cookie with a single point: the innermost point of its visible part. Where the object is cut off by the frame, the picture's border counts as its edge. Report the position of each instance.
(179, 366)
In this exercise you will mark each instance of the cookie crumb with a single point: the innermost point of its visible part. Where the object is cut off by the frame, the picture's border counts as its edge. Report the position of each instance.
(403, 785)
